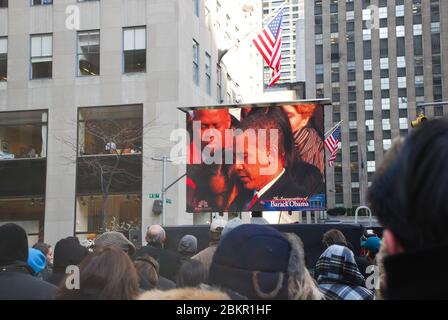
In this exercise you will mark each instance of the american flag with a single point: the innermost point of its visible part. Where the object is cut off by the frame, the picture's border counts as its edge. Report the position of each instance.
(333, 143)
(269, 43)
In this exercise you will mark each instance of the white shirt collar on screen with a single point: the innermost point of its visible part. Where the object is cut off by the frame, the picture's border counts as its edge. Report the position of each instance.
(270, 184)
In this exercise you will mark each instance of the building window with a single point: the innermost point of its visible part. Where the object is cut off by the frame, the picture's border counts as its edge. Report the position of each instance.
(318, 24)
(335, 52)
(134, 49)
(402, 82)
(41, 2)
(401, 50)
(89, 53)
(384, 48)
(367, 65)
(387, 143)
(110, 131)
(335, 74)
(367, 49)
(334, 24)
(23, 135)
(319, 54)
(371, 166)
(400, 31)
(3, 3)
(383, 13)
(401, 62)
(3, 59)
(417, 29)
(23, 151)
(399, 11)
(435, 27)
(208, 73)
(367, 85)
(196, 62)
(219, 83)
(366, 34)
(109, 169)
(404, 123)
(41, 56)
(435, 12)
(386, 124)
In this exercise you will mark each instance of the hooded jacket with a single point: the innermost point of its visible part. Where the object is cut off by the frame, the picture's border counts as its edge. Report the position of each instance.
(338, 275)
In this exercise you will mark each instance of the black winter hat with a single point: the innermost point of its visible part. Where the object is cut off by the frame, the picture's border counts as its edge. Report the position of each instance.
(253, 260)
(68, 252)
(13, 244)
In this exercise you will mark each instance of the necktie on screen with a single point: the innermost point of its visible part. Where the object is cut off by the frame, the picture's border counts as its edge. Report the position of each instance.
(252, 202)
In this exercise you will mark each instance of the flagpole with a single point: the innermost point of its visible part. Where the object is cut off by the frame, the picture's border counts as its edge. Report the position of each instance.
(334, 128)
(250, 32)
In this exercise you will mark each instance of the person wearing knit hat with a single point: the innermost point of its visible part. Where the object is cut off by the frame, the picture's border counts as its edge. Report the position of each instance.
(206, 255)
(13, 244)
(188, 246)
(36, 260)
(260, 263)
(67, 252)
(116, 239)
(232, 224)
(16, 276)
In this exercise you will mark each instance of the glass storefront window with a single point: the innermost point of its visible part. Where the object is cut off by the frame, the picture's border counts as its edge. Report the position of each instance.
(27, 212)
(23, 135)
(109, 169)
(96, 214)
(110, 130)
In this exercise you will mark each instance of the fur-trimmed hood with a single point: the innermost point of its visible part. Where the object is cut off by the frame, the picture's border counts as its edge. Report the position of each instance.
(184, 294)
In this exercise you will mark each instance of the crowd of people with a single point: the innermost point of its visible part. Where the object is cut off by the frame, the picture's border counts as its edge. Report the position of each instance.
(257, 262)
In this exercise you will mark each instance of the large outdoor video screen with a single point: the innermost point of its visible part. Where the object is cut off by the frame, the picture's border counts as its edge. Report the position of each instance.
(257, 157)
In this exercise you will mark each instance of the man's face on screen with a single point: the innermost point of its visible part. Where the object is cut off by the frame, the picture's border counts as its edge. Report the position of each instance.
(210, 120)
(252, 162)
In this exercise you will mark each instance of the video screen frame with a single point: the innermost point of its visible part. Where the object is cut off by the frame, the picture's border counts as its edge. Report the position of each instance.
(214, 179)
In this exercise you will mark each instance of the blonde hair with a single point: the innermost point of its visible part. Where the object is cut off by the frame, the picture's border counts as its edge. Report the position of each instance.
(382, 254)
(301, 286)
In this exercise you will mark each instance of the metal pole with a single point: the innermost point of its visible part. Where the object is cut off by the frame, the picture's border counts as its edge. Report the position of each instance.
(165, 159)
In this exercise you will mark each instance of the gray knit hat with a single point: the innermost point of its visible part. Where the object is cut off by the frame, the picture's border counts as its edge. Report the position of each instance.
(188, 244)
(116, 239)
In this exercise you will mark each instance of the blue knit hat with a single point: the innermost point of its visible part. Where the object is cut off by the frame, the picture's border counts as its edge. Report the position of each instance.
(36, 260)
(253, 260)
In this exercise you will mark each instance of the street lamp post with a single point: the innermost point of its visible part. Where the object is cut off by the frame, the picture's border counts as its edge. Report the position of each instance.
(165, 160)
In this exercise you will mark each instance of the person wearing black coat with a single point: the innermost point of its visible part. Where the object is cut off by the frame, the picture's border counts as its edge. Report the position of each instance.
(408, 196)
(16, 277)
(67, 252)
(169, 261)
